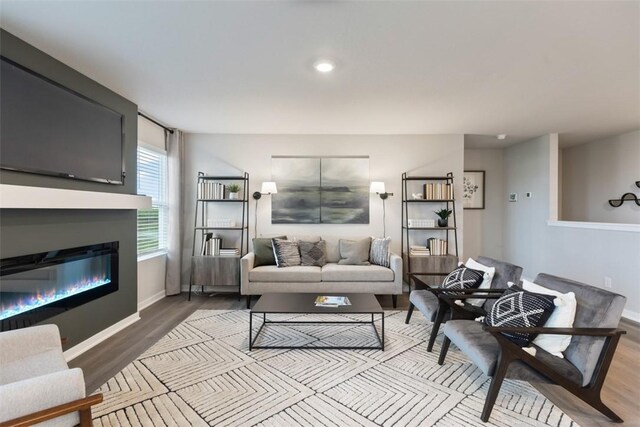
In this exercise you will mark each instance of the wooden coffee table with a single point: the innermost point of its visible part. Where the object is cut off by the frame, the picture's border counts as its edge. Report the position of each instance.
(305, 304)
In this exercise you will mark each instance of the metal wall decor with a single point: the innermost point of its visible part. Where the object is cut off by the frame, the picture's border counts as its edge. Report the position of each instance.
(626, 197)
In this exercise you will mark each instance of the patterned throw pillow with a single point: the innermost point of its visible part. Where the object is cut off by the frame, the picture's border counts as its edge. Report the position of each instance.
(463, 278)
(313, 253)
(286, 253)
(380, 251)
(521, 309)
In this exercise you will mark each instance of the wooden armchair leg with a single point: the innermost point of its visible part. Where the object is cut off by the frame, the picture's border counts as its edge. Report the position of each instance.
(496, 382)
(85, 418)
(409, 313)
(436, 327)
(444, 349)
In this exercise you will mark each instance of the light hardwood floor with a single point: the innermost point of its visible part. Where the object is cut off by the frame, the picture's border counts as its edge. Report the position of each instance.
(621, 391)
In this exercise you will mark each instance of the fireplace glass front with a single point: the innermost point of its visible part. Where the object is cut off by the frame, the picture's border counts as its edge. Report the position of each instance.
(37, 286)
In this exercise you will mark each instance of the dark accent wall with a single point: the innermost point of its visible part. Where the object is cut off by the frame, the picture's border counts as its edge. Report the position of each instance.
(25, 231)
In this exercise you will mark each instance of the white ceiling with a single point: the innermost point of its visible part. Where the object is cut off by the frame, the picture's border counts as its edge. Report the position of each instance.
(482, 68)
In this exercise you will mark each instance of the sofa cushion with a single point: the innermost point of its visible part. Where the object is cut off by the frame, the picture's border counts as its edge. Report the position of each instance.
(263, 250)
(313, 253)
(271, 273)
(355, 252)
(356, 273)
(286, 252)
(380, 251)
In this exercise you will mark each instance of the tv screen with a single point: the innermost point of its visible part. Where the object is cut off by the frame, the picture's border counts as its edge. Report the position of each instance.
(48, 129)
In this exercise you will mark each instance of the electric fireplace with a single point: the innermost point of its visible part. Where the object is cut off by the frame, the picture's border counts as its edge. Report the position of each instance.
(37, 286)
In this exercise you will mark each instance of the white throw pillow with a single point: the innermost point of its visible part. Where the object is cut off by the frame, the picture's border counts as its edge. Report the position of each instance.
(486, 283)
(562, 317)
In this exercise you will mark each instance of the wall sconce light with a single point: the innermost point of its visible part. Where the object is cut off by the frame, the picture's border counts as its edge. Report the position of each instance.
(268, 188)
(379, 188)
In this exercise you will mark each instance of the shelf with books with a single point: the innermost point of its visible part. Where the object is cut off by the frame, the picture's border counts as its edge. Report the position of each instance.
(213, 264)
(425, 250)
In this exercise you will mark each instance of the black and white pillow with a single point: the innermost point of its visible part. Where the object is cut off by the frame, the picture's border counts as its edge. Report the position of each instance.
(313, 253)
(380, 251)
(521, 309)
(286, 253)
(463, 278)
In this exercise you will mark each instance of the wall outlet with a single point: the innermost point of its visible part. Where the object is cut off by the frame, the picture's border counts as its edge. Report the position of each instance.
(607, 283)
(529, 195)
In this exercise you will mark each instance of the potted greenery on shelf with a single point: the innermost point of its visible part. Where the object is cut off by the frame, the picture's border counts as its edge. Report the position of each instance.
(234, 189)
(443, 217)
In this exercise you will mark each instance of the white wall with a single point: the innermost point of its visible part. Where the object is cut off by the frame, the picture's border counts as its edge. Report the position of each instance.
(598, 171)
(390, 156)
(483, 228)
(586, 255)
(151, 270)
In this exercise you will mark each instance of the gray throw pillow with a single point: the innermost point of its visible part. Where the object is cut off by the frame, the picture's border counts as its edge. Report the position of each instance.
(313, 253)
(286, 253)
(380, 251)
(354, 252)
(263, 251)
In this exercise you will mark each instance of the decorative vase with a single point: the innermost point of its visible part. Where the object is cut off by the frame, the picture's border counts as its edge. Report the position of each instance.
(443, 222)
(233, 196)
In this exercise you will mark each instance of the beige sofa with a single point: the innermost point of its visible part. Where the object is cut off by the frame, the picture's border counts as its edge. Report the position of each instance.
(331, 278)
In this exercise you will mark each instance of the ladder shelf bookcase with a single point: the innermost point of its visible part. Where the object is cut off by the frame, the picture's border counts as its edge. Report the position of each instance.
(221, 271)
(434, 267)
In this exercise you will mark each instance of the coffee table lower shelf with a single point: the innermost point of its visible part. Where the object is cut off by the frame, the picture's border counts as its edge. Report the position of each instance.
(265, 321)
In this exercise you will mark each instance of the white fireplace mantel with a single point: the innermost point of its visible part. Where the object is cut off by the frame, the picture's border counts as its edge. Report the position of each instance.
(25, 197)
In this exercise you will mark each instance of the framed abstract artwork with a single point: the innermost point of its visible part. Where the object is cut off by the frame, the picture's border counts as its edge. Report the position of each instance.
(320, 190)
(473, 190)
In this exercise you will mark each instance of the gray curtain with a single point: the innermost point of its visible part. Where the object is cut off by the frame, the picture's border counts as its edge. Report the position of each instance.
(175, 158)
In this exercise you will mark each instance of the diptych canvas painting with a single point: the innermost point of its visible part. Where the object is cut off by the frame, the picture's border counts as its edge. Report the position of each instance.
(320, 190)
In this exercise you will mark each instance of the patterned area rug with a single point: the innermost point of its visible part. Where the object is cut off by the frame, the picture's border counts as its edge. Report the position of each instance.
(202, 373)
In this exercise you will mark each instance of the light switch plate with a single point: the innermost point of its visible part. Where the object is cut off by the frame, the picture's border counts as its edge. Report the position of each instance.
(529, 194)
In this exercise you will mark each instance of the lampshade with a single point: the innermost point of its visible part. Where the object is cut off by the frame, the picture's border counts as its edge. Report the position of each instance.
(269, 187)
(377, 187)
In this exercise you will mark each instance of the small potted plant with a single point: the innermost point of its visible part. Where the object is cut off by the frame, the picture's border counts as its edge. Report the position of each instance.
(234, 189)
(443, 217)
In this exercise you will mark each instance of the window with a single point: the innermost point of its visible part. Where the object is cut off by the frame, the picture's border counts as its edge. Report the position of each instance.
(152, 181)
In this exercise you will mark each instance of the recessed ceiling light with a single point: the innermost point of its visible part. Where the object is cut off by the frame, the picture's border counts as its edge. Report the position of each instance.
(502, 136)
(324, 66)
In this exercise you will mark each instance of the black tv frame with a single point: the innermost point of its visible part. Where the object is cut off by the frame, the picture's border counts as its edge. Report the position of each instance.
(62, 174)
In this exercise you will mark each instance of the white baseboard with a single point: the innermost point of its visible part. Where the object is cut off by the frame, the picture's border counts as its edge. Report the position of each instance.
(631, 315)
(89, 343)
(151, 300)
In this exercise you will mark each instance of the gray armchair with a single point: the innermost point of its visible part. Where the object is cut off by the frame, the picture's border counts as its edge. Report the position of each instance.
(435, 306)
(587, 359)
(36, 385)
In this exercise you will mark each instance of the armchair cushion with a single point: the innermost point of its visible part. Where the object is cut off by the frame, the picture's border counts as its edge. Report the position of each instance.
(486, 282)
(426, 302)
(505, 273)
(463, 278)
(483, 350)
(520, 308)
(30, 352)
(46, 391)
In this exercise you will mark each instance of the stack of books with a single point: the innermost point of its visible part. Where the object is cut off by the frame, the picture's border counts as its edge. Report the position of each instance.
(417, 250)
(211, 190)
(437, 246)
(211, 244)
(433, 191)
(229, 251)
(332, 301)
(421, 223)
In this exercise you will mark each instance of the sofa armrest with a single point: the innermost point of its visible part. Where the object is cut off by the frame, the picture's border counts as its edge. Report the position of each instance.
(395, 264)
(246, 265)
(35, 394)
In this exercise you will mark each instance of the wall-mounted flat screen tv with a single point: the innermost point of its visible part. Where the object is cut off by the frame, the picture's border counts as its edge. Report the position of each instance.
(48, 129)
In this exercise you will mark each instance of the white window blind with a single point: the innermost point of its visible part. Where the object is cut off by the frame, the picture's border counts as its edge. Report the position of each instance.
(152, 181)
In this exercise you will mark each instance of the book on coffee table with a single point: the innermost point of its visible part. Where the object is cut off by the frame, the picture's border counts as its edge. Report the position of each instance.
(323, 301)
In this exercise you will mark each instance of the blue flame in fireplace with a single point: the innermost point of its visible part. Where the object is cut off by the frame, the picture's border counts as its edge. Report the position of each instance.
(40, 299)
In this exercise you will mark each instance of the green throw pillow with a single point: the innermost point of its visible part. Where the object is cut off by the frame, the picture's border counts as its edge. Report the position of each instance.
(263, 251)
